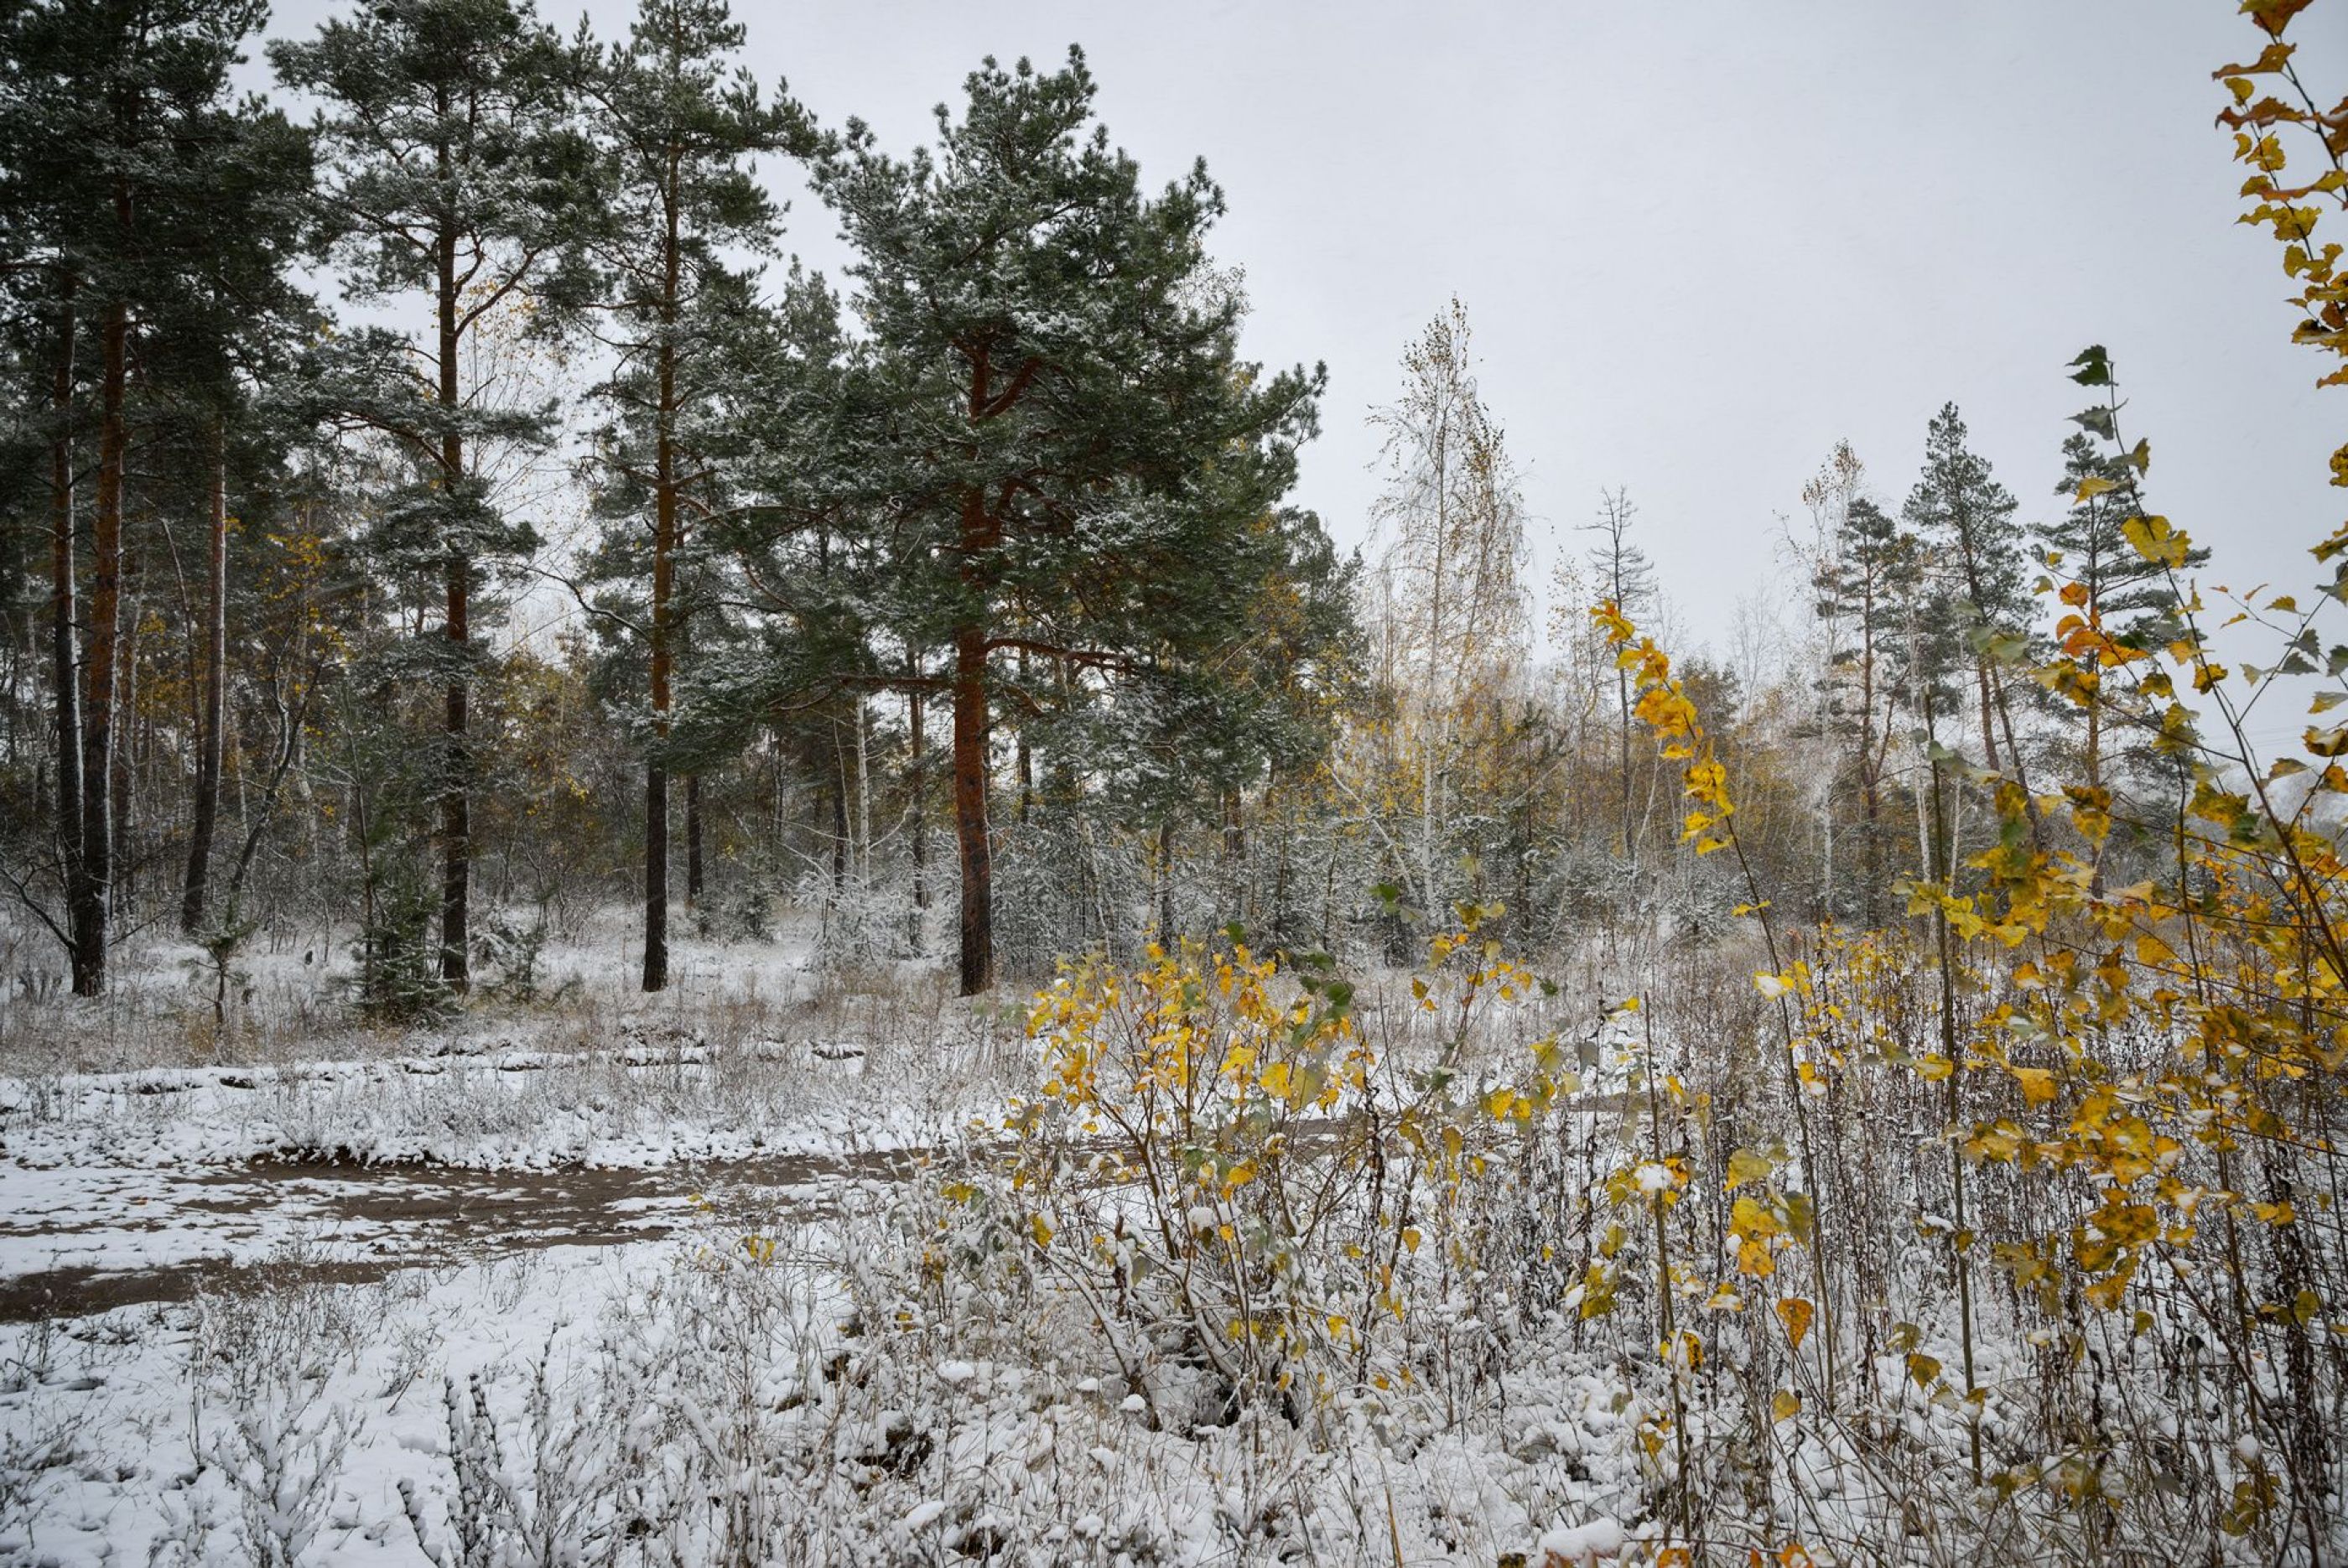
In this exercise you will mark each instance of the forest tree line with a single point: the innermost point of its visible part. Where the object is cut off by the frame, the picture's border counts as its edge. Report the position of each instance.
(971, 582)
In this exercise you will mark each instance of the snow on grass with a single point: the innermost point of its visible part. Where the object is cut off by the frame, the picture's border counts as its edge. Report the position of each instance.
(675, 1402)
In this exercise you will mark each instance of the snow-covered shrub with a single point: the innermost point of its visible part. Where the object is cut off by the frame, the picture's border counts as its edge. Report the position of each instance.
(264, 1358)
(399, 976)
(281, 1453)
(507, 946)
(741, 909)
(546, 1507)
(1257, 1201)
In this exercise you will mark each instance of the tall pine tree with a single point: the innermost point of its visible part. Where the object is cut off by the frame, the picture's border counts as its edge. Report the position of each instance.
(1866, 585)
(122, 146)
(1065, 449)
(219, 359)
(675, 132)
(1975, 548)
(2106, 576)
(458, 176)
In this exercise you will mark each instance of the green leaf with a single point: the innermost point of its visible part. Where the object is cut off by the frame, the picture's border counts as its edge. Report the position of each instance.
(2093, 367)
(1745, 1166)
(2097, 421)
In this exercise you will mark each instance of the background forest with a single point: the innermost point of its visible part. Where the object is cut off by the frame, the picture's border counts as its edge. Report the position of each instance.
(1873, 1083)
(974, 586)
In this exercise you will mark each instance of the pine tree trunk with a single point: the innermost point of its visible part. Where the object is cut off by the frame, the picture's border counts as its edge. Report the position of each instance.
(914, 703)
(126, 748)
(665, 543)
(1026, 758)
(209, 742)
(970, 810)
(1870, 790)
(91, 910)
(656, 974)
(456, 816)
(692, 841)
(65, 668)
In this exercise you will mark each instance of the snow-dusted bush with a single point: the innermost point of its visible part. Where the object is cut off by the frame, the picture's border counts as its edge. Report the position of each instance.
(1253, 1198)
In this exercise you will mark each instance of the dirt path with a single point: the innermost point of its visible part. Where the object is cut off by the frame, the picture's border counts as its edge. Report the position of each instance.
(162, 1238)
(81, 1240)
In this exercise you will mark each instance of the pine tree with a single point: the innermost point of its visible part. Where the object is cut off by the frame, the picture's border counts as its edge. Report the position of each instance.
(116, 126)
(1068, 448)
(2112, 579)
(223, 347)
(455, 175)
(675, 133)
(1975, 548)
(1866, 585)
(51, 232)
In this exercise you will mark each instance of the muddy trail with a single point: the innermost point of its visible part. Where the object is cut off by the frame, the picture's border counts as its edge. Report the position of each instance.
(150, 1237)
(78, 1241)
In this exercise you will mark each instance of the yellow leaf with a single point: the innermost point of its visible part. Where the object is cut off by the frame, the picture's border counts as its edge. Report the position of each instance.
(1744, 1166)
(1795, 1314)
(1750, 1219)
(2153, 539)
(1922, 1368)
(1043, 1232)
(2037, 1085)
(2109, 1292)
(2092, 486)
(1785, 1404)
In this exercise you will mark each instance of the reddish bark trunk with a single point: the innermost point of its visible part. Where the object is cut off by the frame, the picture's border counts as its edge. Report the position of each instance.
(970, 810)
(210, 734)
(90, 914)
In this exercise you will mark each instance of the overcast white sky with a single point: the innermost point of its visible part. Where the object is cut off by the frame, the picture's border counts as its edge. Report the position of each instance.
(1699, 243)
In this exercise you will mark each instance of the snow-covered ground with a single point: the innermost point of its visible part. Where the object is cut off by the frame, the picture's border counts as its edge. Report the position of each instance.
(681, 1401)
(600, 1281)
(740, 1276)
